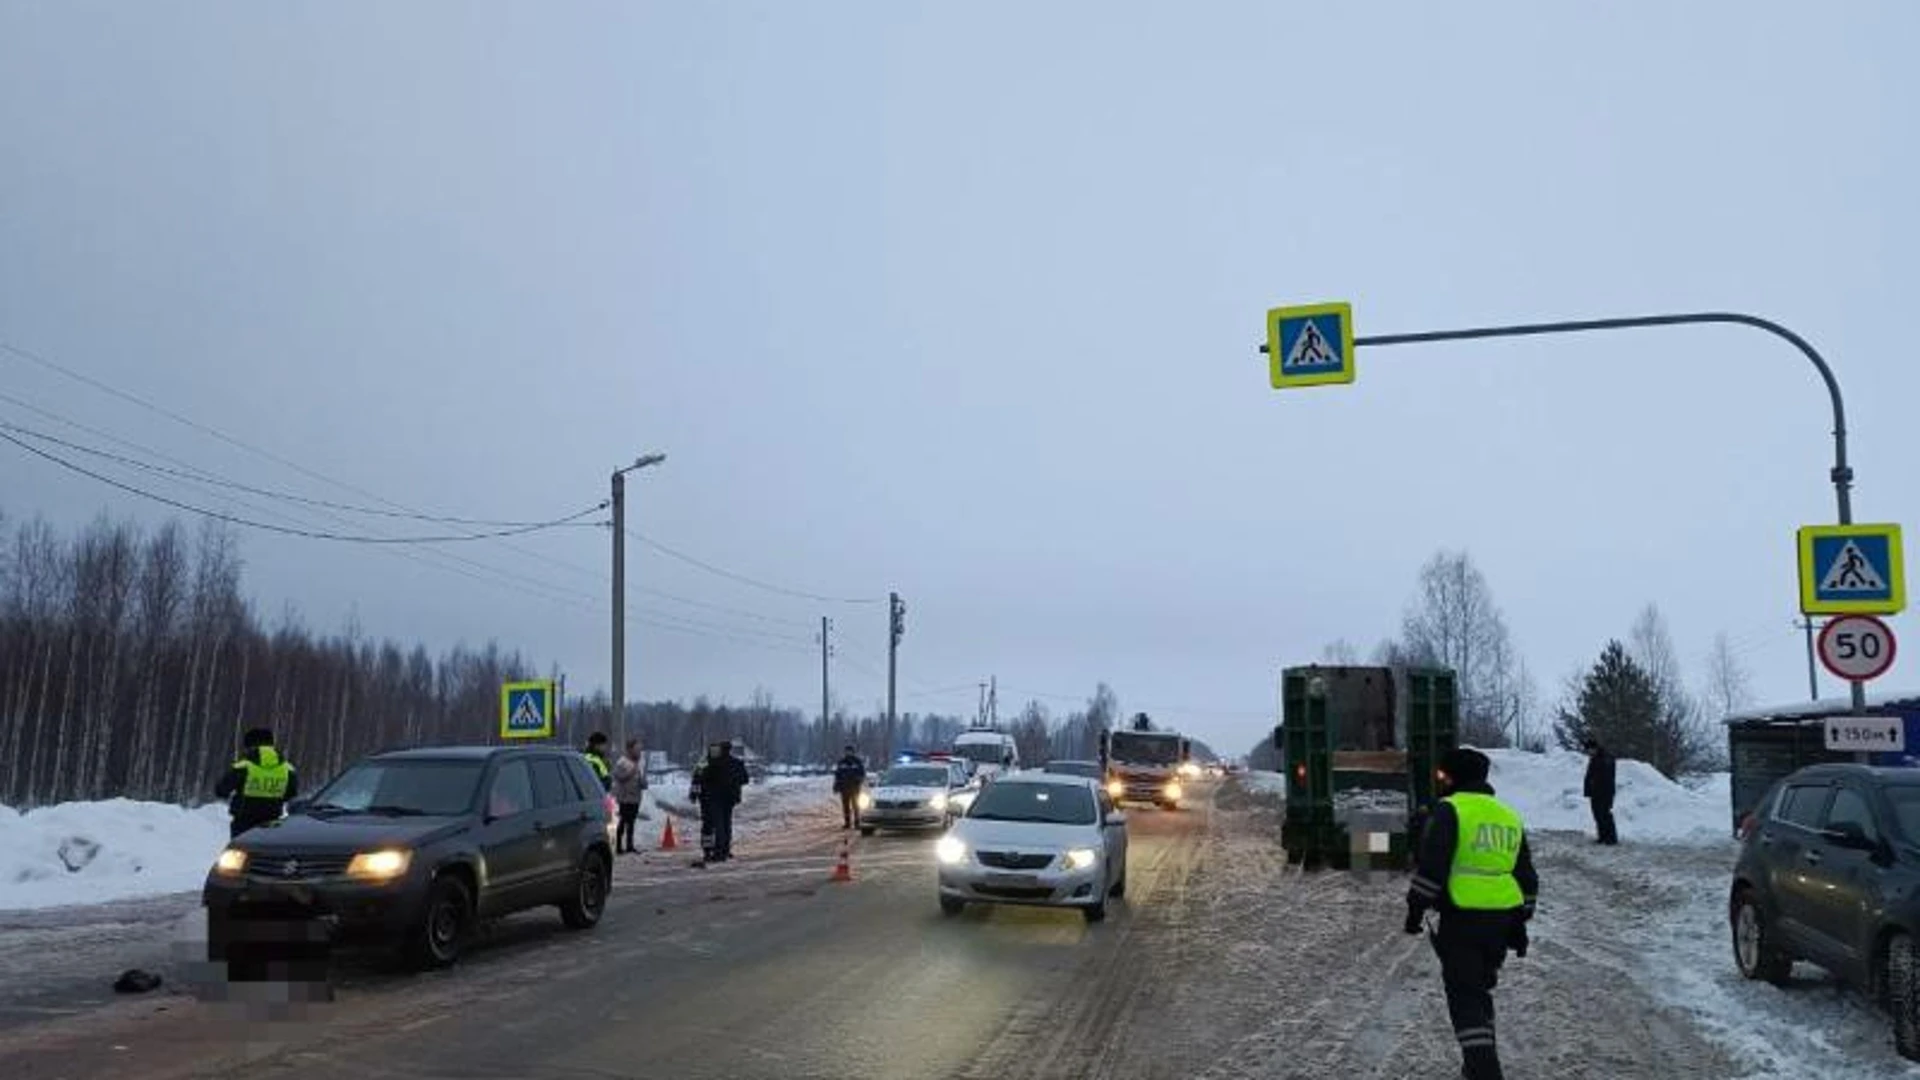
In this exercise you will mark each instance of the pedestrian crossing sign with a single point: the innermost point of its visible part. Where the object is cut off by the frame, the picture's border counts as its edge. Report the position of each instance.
(527, 710)
(1310, 345)
(1852, 570)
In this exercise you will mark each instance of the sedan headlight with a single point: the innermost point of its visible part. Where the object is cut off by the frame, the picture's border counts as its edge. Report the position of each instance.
(864, 800)
(939, 801)
(231, 862)
(379, 865)
(950, 850)
(1173, 790)
(1080, 858)
(960, 800)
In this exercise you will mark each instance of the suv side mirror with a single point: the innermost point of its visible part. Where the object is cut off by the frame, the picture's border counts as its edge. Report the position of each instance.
(1848, 834)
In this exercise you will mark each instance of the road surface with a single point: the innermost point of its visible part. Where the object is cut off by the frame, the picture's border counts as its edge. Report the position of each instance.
(1222, 962)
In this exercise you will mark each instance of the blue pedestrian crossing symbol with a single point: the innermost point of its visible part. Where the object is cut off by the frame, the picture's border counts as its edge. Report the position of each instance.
(1851, 570)
(526, 710)
(1310, 345)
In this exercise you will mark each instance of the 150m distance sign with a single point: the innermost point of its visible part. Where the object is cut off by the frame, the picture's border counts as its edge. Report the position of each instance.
(1857, 648)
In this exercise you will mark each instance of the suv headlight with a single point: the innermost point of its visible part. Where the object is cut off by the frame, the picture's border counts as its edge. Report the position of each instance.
(231, 862)
(950, 850)
(1080, 858)
(379, 865)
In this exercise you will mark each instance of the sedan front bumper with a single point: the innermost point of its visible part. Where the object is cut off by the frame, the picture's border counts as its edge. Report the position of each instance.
(1050, 887)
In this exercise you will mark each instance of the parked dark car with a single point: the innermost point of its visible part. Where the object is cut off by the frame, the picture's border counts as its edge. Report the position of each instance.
(1829, 873)
(415, 847)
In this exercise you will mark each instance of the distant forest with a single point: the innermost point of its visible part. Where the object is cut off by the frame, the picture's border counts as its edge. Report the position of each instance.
(131, 662)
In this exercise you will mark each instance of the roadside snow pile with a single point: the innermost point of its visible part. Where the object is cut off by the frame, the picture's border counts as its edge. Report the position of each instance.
(1264, 783)
(89, 853)
(1546, 789)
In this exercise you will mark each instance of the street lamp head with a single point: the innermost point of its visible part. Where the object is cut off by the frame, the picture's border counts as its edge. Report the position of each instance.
(645, 460)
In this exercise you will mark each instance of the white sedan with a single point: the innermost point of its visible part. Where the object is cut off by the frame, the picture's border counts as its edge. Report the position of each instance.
(1036, 838)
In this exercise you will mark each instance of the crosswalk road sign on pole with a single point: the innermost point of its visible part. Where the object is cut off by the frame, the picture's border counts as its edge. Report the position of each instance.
(1852, 570)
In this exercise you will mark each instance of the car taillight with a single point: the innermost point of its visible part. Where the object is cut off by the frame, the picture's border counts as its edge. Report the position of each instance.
(1746, 827)
(611, 807)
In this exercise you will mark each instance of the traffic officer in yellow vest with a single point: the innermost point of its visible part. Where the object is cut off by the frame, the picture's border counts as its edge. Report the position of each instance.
(596, 753)
(1475, 870)
(258, 785)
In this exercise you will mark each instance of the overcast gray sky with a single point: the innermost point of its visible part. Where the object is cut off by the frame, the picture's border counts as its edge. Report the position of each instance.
(962, 300)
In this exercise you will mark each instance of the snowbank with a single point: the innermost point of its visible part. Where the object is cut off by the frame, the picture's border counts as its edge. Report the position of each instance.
(90, 853)
(1264, 783)
(1546, 789)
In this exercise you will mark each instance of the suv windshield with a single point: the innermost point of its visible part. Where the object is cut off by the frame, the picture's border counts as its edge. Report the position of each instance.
(982, 753)
(1905, 799)
(1145, 749)
(914, 776)
(1052, 804)
(425, 787)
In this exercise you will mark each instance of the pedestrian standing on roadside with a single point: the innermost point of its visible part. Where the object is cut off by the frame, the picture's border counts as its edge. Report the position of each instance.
(629, 787)
(1475, 869)
(720, 787)
(1599, 791)
(849, 777)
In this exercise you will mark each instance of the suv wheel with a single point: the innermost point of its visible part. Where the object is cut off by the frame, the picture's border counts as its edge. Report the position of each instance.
(1903, 994)
(442, 931)
(583, 909)
(1753, 947)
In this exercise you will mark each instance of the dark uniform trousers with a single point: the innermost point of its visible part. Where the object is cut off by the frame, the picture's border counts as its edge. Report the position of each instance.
(1472, 946)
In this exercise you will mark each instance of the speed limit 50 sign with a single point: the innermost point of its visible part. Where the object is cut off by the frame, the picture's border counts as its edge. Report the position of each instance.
(1857, 648)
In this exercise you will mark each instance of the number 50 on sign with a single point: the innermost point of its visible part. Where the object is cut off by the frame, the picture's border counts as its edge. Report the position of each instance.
(1857, 648)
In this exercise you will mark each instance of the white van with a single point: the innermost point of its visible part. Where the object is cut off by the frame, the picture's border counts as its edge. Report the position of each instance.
(989, 753)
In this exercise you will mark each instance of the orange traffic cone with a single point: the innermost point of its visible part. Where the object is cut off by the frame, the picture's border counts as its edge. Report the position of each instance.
(842, 870)
(667, 842)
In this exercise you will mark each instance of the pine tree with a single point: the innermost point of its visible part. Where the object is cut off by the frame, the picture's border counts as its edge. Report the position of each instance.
(1618, 703)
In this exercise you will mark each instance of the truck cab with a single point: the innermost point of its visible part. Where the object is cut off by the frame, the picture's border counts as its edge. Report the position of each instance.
(1144, 765)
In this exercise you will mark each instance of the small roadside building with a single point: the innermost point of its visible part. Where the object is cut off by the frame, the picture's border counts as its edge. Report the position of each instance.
(1764, 745)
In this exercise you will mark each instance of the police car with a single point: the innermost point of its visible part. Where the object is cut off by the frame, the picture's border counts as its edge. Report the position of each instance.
(924, 794)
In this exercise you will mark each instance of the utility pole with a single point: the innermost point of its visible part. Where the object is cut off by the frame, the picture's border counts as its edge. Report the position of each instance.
(826, 649)
(896, 629)
(620, 591)
(1813, 671)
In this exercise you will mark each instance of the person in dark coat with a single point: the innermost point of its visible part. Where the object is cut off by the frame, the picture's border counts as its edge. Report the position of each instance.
(849, 777)
(1599, 791)
(722, 779)
(258, 784)
(1475, 869)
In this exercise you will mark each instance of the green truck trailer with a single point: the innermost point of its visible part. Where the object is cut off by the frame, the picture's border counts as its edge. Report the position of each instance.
(1361, 748)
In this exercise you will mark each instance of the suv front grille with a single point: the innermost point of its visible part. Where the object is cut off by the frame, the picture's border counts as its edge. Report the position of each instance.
(1014, 860)
(296, 867)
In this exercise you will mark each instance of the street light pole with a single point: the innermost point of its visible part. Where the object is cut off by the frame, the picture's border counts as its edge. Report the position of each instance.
(1841, 474)
(620, 589)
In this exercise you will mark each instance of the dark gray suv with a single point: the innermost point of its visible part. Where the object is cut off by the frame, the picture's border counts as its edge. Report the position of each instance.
(1829, 872)
(416, 847)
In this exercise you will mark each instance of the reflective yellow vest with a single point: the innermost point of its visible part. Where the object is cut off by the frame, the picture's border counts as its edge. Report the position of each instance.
(1484, 854)
(266, 778)
(599, 765)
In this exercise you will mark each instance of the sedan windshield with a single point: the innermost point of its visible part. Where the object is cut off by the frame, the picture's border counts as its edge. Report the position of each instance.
(401, 788)
(914, 776)
(1052, 804)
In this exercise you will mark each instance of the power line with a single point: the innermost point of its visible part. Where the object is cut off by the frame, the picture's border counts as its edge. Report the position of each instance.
(310, 534)
(745, 580)
(204, 477)
(190, 473)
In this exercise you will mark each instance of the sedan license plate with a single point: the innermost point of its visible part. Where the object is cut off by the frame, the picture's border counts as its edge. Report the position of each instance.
(1018, 881)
